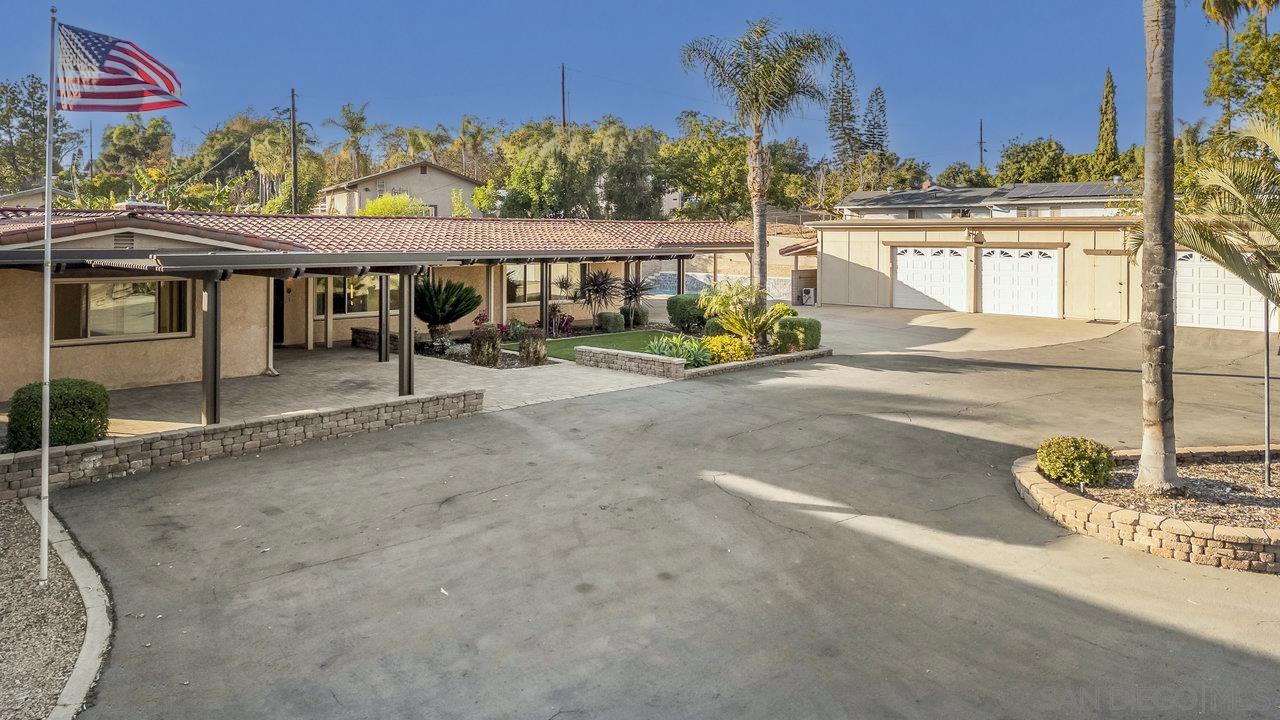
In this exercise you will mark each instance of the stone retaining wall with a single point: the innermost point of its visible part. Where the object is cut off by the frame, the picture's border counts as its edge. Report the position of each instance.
(72, 465)
(1252, 549)
(674, 368)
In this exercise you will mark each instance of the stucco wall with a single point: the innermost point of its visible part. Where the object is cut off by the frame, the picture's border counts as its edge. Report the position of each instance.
(855, 264)
(427, 184)
(135, 363)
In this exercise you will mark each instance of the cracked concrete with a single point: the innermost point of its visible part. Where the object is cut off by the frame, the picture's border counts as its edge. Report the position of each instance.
(616, 579)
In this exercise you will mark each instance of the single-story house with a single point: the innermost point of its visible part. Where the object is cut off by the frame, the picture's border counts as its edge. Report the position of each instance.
(147, 297)
(431, 183)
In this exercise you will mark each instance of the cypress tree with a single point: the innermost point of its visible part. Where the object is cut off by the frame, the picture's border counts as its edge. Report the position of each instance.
(875, 123)
(842, 114)
(1108, 150)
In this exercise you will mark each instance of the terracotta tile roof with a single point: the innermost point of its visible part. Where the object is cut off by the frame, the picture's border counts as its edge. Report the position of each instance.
(330, 233)
(799, 248)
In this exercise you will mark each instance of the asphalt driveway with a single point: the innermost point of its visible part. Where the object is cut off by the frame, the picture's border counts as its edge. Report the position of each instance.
(826, 540)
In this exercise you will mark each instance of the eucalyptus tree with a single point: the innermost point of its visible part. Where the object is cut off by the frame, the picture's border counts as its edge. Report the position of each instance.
(1158, 466)
(765, 75)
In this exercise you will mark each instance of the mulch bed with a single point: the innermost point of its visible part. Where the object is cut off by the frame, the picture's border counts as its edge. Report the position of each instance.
(1222, 493)
(507, 361)
(41, 629)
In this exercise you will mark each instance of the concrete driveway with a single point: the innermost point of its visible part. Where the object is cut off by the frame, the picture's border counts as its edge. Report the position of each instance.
(826, 540)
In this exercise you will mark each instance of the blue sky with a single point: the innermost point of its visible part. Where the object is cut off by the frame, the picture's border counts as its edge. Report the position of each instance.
(1026, 67)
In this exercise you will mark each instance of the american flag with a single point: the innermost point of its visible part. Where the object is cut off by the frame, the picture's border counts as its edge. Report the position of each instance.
(99, 72)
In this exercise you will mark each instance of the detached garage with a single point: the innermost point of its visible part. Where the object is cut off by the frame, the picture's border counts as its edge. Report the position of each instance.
(1035, 266)
(1209, 297)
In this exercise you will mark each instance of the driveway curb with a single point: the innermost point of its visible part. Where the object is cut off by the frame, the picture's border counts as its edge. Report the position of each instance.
(97, 610)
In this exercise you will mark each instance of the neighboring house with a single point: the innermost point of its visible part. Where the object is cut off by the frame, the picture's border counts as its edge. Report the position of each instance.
(134, 291)
(33, 198)
(431, 183)
(932, 202)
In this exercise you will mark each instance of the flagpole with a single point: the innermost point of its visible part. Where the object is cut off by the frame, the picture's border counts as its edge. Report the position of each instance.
(48, 300)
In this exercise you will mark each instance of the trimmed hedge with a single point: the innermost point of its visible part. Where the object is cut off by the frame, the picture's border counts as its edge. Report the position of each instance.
(610, 322)
(485, 350)
(635, 315)
(77, 414)
(1075, 460)
(797, 333)
(684, 313)
(713, 328)
(533, 347)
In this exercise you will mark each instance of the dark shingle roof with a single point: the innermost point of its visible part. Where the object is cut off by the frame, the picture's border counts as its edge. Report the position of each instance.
(933, 197)
(939, 197)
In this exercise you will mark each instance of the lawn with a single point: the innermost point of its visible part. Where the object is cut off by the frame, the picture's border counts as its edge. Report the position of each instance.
(634, 340)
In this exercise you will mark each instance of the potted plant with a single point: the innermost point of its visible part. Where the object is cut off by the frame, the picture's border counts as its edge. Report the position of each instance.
(439, 304)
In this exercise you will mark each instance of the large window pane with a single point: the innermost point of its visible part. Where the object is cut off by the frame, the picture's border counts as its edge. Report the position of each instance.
(120, 309)
(352, 294)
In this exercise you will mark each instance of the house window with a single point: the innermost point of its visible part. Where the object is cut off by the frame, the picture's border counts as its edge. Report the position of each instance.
(913, 214)
(121, 310)
(382, 188)
(354, 295)
(960, 213)
(524, 282)
(432, 211)
(1035, 212)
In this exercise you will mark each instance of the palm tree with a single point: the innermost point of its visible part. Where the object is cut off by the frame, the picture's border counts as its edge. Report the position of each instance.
(473, 138)
(765, 76)
(1224, 13)
(1158, 465)
(421, 141)
(1237, 226)
(355, 126)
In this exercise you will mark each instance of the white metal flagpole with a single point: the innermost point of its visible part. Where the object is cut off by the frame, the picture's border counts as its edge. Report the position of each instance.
(48, 300)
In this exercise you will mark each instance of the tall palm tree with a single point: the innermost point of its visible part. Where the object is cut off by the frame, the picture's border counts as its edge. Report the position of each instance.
(355, 126)
(1224, 13)
(765, 76)
(1158, 465)
(421, 141)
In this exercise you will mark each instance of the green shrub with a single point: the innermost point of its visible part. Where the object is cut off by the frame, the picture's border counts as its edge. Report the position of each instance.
(684, 313)
(751, 322)
(635, 315)
(796, 333)
(728, 348)
(485, 350)
(533, 347)
(784, 310)
(77, 414)
(690, 349)
(610, 322)
(713, 328)
(516, 329)
(1075, 460)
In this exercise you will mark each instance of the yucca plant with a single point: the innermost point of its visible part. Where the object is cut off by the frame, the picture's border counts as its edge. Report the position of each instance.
(752, 322)
(439, 304)
(599, 290)
(634, 295)
(721, 297)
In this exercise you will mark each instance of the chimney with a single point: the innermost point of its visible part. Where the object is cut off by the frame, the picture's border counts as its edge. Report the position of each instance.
(134, 204)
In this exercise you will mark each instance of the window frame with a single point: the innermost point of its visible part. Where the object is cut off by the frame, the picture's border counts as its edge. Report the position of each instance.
(583, 267)
(319, 315)
(190, 332)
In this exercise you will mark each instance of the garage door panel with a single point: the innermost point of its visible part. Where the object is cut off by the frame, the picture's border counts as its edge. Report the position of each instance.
(1020, 282)
(929, 278)
(1210, 297)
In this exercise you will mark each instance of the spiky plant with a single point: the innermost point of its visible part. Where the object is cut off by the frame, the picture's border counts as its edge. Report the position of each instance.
(599, 290)
(439, 304)
(635, 293)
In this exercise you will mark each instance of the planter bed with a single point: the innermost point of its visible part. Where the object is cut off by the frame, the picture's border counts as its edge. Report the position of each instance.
(674, 368)
(1223, 536)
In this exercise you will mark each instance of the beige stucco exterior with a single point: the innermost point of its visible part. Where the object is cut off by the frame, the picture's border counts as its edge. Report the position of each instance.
(131, 363)
(1098, 282)
(426, 182)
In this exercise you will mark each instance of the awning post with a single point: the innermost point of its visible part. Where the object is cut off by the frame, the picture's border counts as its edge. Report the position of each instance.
(679, 276)
(544, 295)
(211, 360)
(384, 318)
(406, 333)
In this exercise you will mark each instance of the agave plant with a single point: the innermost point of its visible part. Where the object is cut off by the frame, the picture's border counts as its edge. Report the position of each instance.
(439, 304)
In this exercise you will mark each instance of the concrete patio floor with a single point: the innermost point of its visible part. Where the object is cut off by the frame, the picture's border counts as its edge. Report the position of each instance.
(352, 376)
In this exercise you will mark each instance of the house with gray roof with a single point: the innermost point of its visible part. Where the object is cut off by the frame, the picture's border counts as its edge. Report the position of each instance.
(932, 202)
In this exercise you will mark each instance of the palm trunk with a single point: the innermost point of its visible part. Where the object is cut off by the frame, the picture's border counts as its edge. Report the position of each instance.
(1158, 468)
(759, 171)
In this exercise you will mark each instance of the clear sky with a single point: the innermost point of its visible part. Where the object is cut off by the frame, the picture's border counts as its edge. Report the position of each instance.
(1026, 67)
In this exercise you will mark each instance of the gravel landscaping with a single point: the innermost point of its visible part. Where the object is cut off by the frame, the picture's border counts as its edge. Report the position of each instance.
(1222, 493)
(41, 629)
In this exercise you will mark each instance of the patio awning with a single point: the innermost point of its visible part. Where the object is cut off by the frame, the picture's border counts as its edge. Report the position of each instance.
(225, 263)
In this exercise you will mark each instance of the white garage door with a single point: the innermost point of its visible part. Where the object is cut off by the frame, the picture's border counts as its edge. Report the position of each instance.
(1210, 297)
(1020, 282)
(929, 278)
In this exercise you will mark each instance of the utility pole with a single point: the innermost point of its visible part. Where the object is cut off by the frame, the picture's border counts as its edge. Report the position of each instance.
(293, 143)
(982, 146)
(564, 115)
